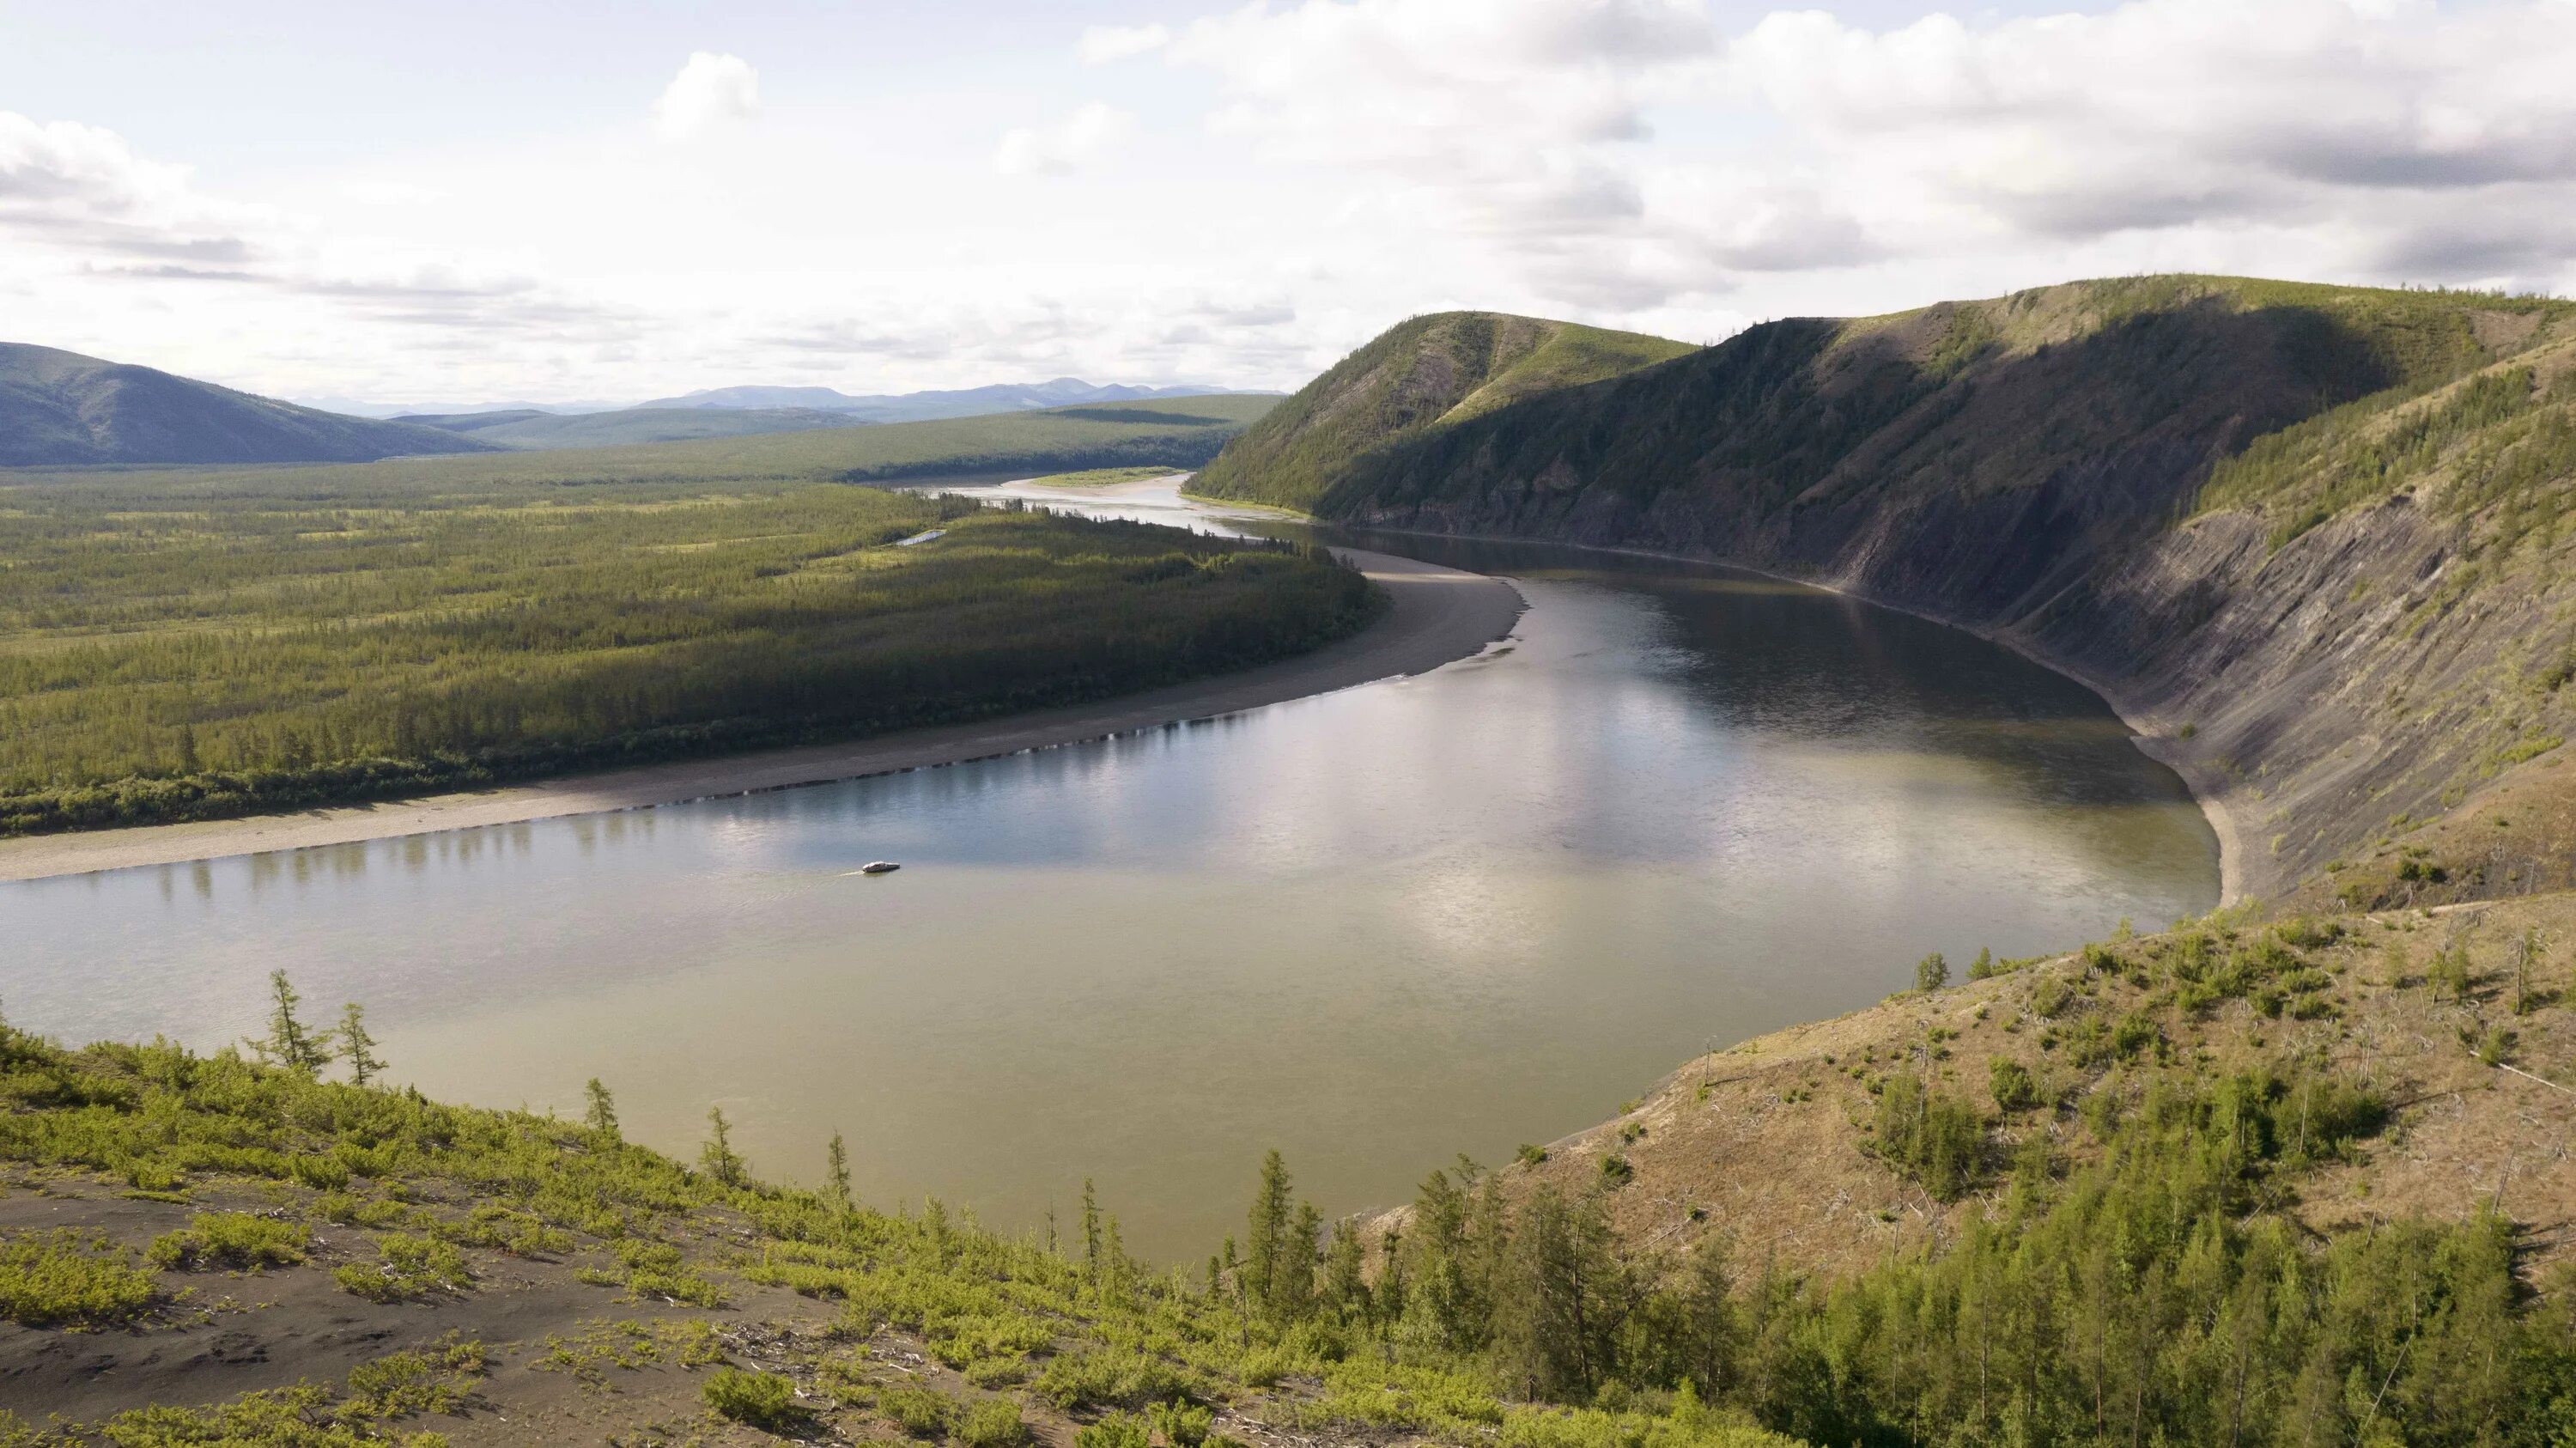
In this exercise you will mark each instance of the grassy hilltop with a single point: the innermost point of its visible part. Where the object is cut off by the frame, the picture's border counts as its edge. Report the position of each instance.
(1415, 381)
(2313, 536)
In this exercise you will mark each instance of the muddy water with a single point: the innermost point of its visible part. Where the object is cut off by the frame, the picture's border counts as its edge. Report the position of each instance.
(1376, 928)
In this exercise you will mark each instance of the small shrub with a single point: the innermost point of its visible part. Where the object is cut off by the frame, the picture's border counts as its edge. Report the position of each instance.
(47, 1278)
(918, 1411)
(1616, 1172)
(434, 1379)
(763, 1400)
(236, 1241)
(2014, 1087)
(1532, 1155)
(1181, 1424)
(1117, 1430)
(1114, 1378)
(992, 1423)
(517, 1233)
(407, 1267)
(2050, 997)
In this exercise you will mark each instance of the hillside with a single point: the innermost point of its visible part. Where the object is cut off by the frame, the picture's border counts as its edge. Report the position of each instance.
(60, 409)
(2310, 537)
(1421, 378)
(2230, 1184)
(626, 427)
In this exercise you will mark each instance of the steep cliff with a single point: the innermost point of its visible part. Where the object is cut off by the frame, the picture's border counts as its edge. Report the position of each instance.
(2313, 538)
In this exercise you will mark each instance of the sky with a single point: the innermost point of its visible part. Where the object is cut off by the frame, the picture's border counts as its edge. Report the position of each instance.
(472, 203)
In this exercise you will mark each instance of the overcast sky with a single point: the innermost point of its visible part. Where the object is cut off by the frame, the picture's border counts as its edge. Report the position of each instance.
(478, 202)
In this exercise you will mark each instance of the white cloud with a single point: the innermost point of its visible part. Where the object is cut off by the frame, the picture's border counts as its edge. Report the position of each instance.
(1066, 146)
(2366, 126)
(1101, 44)
(711, 91)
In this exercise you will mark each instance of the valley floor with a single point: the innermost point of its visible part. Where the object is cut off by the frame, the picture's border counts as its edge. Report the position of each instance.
(1439, 615)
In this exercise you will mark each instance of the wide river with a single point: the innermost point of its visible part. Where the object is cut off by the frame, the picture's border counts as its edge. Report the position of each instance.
(1374, 929)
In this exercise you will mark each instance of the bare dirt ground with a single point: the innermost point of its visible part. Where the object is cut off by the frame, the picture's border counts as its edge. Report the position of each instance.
(1439, 615)
(569, 1361)
(1767, 1139)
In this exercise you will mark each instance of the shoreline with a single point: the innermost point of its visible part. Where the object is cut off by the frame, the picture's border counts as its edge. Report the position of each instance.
(1439, 615)
(2143, 736)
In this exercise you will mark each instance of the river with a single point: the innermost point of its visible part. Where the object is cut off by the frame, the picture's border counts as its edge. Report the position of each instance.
(1457, 912)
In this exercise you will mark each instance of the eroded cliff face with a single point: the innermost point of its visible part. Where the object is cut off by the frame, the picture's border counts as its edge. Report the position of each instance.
(2360, 643)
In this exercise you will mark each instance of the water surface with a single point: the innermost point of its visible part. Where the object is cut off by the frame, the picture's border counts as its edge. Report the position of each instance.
(1375, 928)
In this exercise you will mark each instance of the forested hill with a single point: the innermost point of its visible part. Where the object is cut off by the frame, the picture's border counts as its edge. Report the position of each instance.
(2312, 535)
(1425, 375)
(60, 409)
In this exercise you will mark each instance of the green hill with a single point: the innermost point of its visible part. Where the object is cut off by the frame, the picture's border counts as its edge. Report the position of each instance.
(60, 409)
(1421, 378)
(2312, 535)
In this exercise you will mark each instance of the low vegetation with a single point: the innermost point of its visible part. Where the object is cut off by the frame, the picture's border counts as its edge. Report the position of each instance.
(1101, 477)
(2131, 1250)
(184, 658)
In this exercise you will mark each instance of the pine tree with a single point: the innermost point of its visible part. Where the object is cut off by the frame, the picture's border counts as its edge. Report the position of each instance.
(717, 1156)
(1292, 1271)
(1090, 1232)
(1931, 973)
(1346, 1288)
(1273, 1204)
(289, 1043)
(356, 1046)
(838, 1158)
(1705, 1341)
(602, 1113)
(1559, 1310)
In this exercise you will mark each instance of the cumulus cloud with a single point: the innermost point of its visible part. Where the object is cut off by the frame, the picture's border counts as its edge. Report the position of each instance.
(710, 93)
(1066, 146)
(1101, 44)
(2369, 124)
(1521, 123)
(2382, 138)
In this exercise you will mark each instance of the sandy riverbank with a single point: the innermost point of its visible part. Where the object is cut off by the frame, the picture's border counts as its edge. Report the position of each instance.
(1440, 615)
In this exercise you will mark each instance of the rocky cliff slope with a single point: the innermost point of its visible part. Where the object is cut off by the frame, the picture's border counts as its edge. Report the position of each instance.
(2312, 538)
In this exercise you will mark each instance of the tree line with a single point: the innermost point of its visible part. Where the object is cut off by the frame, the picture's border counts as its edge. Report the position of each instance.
(189, 662)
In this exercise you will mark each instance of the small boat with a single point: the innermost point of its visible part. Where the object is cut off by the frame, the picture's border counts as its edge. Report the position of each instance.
(879, 867)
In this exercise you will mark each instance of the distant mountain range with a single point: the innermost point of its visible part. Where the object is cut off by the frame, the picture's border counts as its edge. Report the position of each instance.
(61, 409)
(738, 411)
(918, 406)
(528, 427)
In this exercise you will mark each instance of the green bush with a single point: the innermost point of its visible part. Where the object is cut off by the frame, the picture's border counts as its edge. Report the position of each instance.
(763, 1400)
(406, 1267)
(237, 1241)
(1181, 1424)
(1115, 1430)
(1113, 1377)
(917, 1411)
(2014, 1087)
(434, 1379)
(992, 1423)
(48, 1278)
